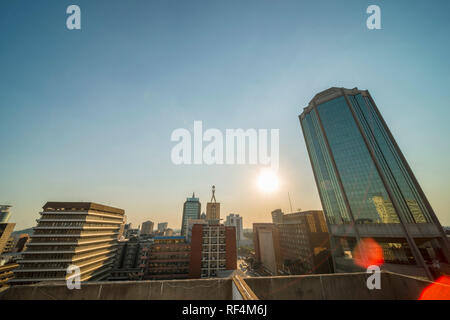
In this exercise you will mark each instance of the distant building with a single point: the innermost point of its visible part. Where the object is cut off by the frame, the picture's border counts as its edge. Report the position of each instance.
(266, 242)
(162, 226)
(147, 228)
(168, 232)
(236, 221)
(191, 223)
(5, 213)
(305, 243)
(203, 216)
(126, 262)
(191, 210)
(277, 216)
(71, 233)
(213, 249)
(367, 188)
(167, 258)
(129, 233)
(5, 234)
(121, 234)
(9, 246)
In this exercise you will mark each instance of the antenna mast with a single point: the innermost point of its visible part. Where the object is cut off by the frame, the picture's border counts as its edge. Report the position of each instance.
(290, 203)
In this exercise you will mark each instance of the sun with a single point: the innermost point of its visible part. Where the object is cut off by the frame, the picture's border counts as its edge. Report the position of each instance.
(268, 181)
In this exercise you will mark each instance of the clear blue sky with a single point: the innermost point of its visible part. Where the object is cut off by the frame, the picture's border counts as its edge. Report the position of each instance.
(87, 115)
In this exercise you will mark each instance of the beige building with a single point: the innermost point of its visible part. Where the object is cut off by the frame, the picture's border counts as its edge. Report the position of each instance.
(83, 234)
(213, 211)
(5, 234)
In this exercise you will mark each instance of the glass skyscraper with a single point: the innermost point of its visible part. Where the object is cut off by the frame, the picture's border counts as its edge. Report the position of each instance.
(191, 210)
(367, 188)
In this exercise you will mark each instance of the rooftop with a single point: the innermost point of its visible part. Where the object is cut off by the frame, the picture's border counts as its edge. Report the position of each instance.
(343, 286)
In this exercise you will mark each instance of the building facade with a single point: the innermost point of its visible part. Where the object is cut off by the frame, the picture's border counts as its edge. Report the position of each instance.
(266, 241)
(5, 213)
(147, 228)
(236, 221)
(191, 210)
(213, 249)
(305, 243)
(366, 187)
(126, 260)
(162, 226)
(5, 235)
(277, 216)
(83, 234)
(167, 258)
(190, 225)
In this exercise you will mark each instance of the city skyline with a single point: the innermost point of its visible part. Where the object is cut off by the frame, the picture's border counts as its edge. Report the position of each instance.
(138, 73)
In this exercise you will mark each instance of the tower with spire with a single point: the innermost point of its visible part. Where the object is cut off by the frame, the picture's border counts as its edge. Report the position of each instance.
(191, 210)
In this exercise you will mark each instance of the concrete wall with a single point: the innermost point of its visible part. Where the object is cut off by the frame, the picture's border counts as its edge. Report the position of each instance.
(348, 286)
(345, 286)
(199, 289)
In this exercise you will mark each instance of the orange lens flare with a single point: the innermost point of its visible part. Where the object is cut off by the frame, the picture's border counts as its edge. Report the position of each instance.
(368, 253)
(438, 290)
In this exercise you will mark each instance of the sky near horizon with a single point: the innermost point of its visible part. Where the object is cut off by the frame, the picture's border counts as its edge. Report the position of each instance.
(87, 115)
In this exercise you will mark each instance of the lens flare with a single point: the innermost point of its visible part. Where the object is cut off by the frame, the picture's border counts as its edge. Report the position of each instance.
(268, 181)
(438, 290)
(368, 253)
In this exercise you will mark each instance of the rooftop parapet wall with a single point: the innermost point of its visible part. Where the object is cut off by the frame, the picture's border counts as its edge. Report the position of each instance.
(198, 289)
(338, 286)
(341, 286)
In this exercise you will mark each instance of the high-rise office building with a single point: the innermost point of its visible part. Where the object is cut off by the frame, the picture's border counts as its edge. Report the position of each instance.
(191, 210)
(5, 213)
(236, 221)
(147, 228)
(213, 208)
(366, 187)
(83, 234)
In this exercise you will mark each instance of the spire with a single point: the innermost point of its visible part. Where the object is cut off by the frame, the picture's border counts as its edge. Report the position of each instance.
(213, 194)
(193, 194)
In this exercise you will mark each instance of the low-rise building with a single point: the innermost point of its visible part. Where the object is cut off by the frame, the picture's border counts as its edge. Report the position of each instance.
(166, 258)
(213, 249)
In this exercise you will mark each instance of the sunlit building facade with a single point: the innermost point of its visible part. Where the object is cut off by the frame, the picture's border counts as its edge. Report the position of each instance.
(366, 187)
(5, 213)
(83, 234)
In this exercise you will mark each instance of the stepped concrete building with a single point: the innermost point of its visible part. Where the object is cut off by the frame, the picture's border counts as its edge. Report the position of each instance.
(83, 234)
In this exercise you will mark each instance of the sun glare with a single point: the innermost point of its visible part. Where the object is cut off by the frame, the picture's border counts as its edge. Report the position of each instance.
(268, 181)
